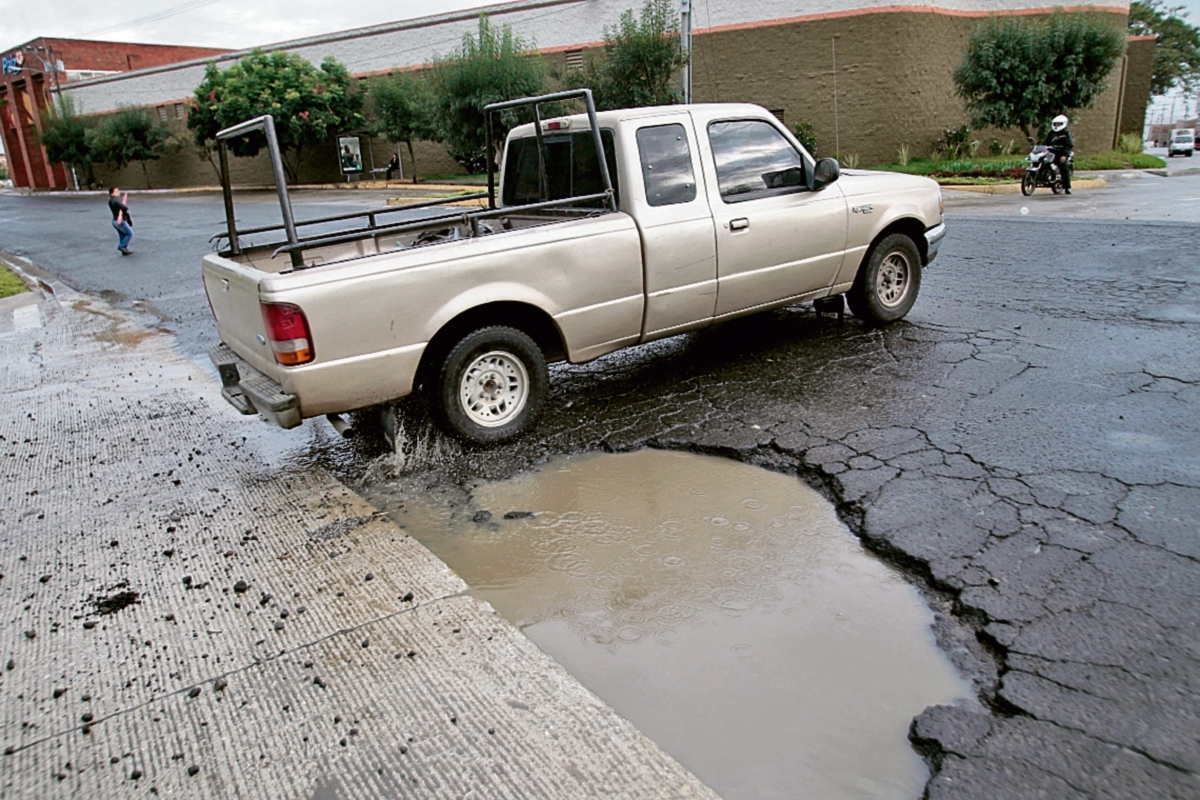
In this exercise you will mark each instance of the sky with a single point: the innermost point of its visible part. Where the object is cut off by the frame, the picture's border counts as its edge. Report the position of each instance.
(233, 24)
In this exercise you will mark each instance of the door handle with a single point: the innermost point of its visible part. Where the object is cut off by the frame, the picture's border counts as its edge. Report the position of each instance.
(739, 224)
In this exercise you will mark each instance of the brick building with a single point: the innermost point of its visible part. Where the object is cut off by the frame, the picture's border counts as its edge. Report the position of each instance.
(29, 75)
(869, 76)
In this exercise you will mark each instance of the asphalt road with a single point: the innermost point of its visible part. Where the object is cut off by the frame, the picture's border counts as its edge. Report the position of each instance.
(74, 237)
(1026, 445)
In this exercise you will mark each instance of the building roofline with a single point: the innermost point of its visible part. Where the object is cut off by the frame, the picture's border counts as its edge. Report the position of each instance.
(524, 5)
(69, 40)
(352, 33)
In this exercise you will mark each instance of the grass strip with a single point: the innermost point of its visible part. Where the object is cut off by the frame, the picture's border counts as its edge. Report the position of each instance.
(10, 284)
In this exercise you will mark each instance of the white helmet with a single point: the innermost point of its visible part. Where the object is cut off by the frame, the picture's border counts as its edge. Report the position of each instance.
(1059, 122)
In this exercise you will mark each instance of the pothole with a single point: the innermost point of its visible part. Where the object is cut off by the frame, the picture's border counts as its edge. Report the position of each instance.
(723, 609)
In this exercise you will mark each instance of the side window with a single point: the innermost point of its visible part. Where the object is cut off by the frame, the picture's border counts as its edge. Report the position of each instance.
(753, 160)
(571, 168)
(666, 165)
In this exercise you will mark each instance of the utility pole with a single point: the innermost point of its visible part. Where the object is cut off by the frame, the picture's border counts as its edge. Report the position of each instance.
(685, 44)
(837, 146)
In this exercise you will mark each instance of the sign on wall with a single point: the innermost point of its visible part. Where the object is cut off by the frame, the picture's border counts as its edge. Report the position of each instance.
(350, 153)
(13, 63)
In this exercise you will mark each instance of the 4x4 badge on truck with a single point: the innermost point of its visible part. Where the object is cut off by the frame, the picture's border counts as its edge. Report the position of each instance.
(863, 209)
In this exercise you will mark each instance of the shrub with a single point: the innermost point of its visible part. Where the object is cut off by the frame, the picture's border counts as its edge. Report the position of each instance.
(641, 60)
(954, 142)
(1129, 143)
(807, 136)
(903, 156)
(494, 65)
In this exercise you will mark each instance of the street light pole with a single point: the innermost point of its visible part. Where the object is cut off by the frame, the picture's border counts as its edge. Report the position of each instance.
(685, 44)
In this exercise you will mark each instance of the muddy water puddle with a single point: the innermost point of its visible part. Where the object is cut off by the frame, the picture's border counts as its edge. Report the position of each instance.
(723, 609)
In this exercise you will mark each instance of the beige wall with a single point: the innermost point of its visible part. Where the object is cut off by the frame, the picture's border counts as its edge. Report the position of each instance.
(894, 81)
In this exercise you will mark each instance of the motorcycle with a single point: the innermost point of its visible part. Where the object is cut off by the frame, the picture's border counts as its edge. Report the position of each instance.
(1043, 171)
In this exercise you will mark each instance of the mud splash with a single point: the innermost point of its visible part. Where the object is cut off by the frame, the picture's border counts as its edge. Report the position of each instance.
(723, 609)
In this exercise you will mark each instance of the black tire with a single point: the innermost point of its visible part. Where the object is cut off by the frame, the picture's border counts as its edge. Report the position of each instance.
(887, 283)
(491, 385)
(1028, 183)
(1056, 187)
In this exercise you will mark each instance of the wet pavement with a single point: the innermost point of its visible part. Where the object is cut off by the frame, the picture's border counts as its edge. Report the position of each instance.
(185, 616)
(723, 609)
(1024, 448)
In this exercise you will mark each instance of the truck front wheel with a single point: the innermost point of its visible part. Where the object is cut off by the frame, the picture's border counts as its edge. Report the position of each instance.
(886, 285)
(492, 384)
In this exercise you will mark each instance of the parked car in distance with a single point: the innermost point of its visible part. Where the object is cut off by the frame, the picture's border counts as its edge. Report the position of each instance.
(1182, 142)
(604, 230)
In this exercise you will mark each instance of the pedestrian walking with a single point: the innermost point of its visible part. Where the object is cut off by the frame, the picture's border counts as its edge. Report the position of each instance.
(122, 220)
(393, 165)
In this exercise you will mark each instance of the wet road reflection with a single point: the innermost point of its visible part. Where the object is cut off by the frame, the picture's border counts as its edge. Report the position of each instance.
(723, 609)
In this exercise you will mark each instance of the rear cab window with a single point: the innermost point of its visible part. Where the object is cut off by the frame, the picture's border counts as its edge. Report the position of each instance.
(572, 168)
(753, 160)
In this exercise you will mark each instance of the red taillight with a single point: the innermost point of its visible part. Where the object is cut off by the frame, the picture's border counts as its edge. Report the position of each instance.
(287, 330)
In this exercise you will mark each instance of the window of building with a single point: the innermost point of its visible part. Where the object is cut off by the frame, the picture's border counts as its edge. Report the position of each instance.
(753, 160)
(180, 111)
(574, 59)
(778, 114)
(162, 113)
(666, 165)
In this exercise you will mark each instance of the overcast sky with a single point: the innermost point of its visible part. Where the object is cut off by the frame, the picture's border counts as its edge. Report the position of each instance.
(234, 24)
(239, 23)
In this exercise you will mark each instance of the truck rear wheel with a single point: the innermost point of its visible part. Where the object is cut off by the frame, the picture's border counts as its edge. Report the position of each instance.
(886, 285)
(491, 385)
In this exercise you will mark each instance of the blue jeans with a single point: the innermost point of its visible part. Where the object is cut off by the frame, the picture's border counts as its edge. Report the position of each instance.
(125, 233)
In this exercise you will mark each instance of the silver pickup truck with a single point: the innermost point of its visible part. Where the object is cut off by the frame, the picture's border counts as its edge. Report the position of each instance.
(693, 215)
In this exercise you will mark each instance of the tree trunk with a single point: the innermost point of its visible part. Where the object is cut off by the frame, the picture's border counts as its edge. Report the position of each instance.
(146, 175)
(413, 159)
(291, 172)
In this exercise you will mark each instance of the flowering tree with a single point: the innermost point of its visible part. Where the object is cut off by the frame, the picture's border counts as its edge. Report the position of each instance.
(309, 104)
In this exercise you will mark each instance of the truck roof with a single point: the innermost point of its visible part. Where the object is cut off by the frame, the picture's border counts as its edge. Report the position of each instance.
(608, 119)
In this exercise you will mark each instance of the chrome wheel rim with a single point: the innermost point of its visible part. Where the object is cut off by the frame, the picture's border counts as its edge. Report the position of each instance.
(892, 279)
(494, 389)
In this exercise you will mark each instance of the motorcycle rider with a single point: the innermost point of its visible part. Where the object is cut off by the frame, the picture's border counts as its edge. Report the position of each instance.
(1059, 140)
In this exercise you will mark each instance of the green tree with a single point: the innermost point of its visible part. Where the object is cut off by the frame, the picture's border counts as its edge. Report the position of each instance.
(641, 60)
(64, 135)
(127, 136)
(400, 105)
(309, 104)
(495, 65)
(1020, 73)
(1177, 50)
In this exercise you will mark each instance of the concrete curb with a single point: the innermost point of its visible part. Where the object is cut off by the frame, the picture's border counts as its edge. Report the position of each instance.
(1015, 188)
(190, 614)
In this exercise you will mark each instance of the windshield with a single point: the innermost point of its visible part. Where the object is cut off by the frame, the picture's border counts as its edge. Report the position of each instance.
(1183, 137)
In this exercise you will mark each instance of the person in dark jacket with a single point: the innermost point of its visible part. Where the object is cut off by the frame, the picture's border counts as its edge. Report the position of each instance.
(122, 220)
(393, 165)
(1059, 140)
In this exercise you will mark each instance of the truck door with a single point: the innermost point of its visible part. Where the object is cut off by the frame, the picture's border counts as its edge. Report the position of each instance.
(678, 248)
(775, 239)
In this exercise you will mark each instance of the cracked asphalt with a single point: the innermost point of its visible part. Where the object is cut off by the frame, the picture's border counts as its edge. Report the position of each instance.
(1025, 445)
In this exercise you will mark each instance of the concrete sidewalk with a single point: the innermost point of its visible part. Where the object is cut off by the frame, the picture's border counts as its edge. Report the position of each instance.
(182, 618)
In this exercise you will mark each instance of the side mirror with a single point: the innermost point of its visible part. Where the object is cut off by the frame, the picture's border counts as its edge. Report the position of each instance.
(1031, 140)
(826, 172)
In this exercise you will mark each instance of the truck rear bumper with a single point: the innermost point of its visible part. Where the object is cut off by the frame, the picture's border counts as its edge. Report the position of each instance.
(250, 392)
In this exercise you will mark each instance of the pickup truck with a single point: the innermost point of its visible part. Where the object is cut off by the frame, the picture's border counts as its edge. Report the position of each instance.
(693, 215)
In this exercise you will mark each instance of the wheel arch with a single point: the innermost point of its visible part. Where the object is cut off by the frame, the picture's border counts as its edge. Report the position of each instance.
(525, 317)
(911, 227)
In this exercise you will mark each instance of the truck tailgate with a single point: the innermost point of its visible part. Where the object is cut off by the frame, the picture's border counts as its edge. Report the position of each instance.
(232, 290)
